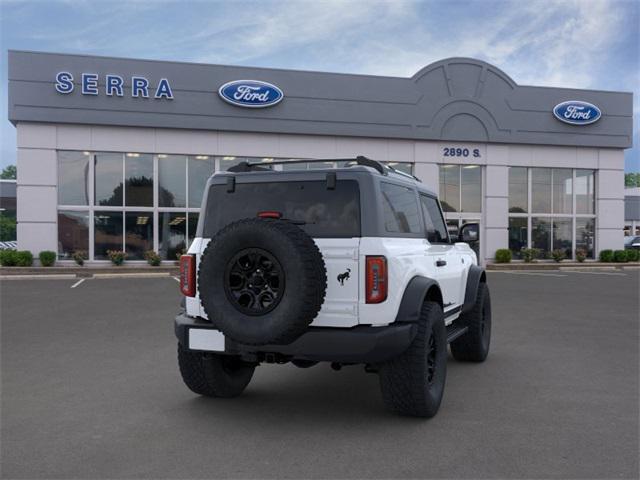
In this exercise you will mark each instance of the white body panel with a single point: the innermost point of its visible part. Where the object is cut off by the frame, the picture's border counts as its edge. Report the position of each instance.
(345, 305)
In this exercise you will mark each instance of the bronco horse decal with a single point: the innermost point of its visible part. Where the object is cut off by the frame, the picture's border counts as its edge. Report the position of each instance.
(344, 276)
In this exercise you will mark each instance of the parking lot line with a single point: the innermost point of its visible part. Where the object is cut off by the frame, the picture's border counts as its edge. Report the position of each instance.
(537, 274)
(78, 283)
(176, 279)
(597, 273)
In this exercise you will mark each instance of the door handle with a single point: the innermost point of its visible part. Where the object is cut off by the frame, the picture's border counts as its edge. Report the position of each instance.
(441, 263)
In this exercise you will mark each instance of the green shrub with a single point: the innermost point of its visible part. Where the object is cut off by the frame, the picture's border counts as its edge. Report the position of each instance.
(24, 258)
(152, 258)
(529, 254)
(503, 255)
(47, 258)
(581, 254)
(606, 256)
(117, 257)
(620, 256)
(8, 258)
(80, 256)
(633, 255)
(558, 255)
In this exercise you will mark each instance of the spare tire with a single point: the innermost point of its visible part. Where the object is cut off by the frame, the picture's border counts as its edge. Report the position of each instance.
(262, 281)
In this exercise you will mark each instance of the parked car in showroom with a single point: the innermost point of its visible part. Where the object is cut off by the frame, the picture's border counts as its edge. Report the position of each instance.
(632, 242)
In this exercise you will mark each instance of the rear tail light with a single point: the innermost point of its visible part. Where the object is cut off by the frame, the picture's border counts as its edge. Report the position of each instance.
(188, 275)
(269, 214)
(376, 279)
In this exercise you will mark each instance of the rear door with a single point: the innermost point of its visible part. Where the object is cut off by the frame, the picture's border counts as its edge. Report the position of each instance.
(329, 215)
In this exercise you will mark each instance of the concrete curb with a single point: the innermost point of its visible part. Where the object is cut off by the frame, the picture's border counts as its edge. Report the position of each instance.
(132, 275)
(88, 272)
(562, 266)
(39, 277)
(97, 276)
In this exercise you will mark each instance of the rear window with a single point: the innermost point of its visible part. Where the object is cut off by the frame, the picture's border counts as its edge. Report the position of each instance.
(326, 213)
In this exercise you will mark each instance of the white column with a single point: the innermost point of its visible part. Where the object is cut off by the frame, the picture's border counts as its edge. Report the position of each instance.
(428, 173)
(37, 188)
(495, 210)
(610, 200)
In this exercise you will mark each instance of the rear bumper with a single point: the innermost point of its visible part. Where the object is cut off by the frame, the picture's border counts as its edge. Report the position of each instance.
(361, 344)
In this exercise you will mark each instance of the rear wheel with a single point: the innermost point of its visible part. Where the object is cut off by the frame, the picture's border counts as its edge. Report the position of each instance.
(413, 383)
(473, 346)
(214, 375)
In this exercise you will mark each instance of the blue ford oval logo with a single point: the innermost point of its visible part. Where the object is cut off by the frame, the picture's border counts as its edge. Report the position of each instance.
(576, 112)
(250, 93)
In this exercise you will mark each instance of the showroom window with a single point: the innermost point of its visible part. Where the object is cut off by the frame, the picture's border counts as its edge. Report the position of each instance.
(551, 209)
(461, 188)
(73, 178)
(172, 181)
(461, 197)
(136, 201)
(74, 233)
(129, 201)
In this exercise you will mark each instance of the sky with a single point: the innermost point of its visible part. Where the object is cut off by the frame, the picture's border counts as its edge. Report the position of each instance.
(562, 43)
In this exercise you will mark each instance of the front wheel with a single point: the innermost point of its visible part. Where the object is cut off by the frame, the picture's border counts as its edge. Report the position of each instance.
(214, 375)
(413, 383)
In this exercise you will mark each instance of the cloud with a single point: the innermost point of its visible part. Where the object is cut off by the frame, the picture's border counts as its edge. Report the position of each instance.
(569, 43)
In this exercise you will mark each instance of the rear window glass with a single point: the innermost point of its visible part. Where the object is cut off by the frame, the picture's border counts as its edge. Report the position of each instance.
(400, 207)
(326, 213)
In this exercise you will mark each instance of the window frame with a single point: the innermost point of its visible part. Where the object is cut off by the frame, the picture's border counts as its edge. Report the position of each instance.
(424, 212)
(382, 223)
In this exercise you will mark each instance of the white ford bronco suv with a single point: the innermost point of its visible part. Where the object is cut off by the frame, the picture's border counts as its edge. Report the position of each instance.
(352, 265)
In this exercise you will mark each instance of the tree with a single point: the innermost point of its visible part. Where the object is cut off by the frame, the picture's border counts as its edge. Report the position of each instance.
(7, 228)
(9, 172)
(632, 180)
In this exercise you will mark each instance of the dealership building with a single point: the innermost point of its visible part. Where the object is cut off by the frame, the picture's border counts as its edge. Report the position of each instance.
(114, 153)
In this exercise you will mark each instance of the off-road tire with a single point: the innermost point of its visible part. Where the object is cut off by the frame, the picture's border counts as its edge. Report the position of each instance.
(473, 346)
(214, 375)
(304, 280)
(304, 363)
(404, 380)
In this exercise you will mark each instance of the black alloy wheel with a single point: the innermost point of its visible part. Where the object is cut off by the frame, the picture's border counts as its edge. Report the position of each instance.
(254, 281)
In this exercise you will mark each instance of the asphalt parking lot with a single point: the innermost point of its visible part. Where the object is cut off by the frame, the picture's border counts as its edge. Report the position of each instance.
(90, 389)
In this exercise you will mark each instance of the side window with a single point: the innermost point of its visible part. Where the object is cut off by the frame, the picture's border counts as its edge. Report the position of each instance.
(401, 211)
(436, 228)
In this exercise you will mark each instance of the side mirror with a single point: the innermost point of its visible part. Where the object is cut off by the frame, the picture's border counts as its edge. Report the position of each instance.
(469, 233)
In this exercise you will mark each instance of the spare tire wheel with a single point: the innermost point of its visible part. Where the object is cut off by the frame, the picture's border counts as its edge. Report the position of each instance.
(262, 281)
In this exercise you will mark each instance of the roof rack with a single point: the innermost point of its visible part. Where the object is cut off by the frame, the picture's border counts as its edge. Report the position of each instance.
(260, 166)
(359, 160)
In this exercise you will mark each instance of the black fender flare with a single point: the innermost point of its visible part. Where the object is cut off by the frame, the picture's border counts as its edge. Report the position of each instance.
(475, 276)
(413, 298)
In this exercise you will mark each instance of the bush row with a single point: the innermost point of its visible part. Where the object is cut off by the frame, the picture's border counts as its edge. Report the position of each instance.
(620, 256)
(24, 258)
(504, 255)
